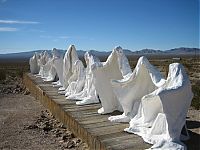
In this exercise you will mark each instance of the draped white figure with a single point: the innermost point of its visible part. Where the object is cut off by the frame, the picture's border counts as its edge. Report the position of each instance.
(77, 80)
(143, 80)
(115, 67)
(58, 65)
(33, 62)
(41, 61)
(88, 95)
(44, 64)
(70, 58)
(52, 72)
(162, 113)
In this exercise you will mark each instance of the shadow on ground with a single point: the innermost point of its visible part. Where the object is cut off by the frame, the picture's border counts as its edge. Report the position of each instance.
(194, 142)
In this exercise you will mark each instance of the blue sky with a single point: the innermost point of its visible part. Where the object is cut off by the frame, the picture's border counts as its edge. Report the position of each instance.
(98, 24)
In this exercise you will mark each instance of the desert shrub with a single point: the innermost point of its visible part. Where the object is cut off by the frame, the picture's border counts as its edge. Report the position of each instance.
(19, 72)
(196, 99)
(2, 74)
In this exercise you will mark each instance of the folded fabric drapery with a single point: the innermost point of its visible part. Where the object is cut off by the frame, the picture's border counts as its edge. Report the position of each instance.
(33, 63)
(77, 79)
(52, 68)
(44, 64)
(143, 80)
(70, 58)
(162, 113)
(115, 67)
(88, 95)
(58, 65)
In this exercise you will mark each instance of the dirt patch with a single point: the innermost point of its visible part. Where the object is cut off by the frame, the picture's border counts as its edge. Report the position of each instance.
(47, 124)
(26, 124)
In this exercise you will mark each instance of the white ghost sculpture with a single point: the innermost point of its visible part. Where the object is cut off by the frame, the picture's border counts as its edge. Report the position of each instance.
(58, 65)
(52, 72)
(43, 63)
(33, 62)
(40, 62)
(77, 80)
(70, 58)
(162, 113)
(113, 68)
(143, 80)
(88, 95)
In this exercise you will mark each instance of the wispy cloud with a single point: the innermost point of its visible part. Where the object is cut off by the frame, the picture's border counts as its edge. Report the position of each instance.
(3, 1)
(45, 36)
(36, 30)
(17, 22)
(7, 29)
(64, 37)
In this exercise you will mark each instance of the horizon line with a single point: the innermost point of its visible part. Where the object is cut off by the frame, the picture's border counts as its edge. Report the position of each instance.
(95, 50)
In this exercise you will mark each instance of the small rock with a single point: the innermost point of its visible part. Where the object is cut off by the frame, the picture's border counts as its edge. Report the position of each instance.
(70, 144)
(26, 92)
(76, 141)
(33, 126)
(61, 141)
(47, 127)
(66, 137)
(58, 134)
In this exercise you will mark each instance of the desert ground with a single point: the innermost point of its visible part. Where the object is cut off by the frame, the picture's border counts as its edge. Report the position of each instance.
(26, 124)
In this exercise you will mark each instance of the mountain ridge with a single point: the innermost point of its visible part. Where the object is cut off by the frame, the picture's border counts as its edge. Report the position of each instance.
(175, 51)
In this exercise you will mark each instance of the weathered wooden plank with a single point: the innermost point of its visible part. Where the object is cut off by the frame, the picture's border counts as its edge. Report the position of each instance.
(99, 124)
(107, 130)
(132, 143)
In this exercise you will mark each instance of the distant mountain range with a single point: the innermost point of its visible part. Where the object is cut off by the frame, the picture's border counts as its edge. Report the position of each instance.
(176, 51)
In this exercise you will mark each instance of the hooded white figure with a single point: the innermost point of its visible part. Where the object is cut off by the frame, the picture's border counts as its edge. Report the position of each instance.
(33, 62)
(52, 72)
(115, 67)
(40, 61)
(162, 113)
(70, 58)
(143, 80)
(77, 80)
(88, 95)
(58, 65)
(43, 63)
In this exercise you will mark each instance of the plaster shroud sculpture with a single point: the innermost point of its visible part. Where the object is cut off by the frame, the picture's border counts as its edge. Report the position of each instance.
(162, 113)
(143, 80)
(33, 63)
(88, 95)
(113, 68)
(77, 80)
(40, 62)
(70, 58)
(52, 68)
(58, 65)
(43, 63)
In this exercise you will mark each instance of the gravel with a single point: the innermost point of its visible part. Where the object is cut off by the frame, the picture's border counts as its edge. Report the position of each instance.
(26, 124)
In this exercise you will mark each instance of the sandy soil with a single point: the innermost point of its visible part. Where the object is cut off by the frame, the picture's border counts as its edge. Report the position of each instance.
(25, 124)
(193, 124)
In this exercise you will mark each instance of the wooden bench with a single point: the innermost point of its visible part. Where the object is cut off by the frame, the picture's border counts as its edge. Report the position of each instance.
(84, 121)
